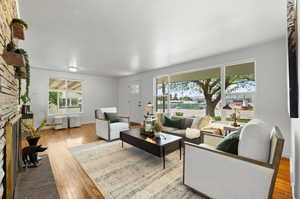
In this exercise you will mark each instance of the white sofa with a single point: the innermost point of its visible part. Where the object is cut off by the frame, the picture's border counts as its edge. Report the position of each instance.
(107, 130)
(250, 174)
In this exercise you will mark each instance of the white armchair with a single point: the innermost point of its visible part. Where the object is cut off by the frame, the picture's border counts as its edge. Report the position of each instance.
(107, 130)
(220, 175)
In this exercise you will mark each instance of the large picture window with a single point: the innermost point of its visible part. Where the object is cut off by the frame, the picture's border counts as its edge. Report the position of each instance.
(65, 96)
(217, 92)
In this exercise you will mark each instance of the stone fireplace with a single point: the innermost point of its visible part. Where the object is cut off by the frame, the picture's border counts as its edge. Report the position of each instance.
(12, 155)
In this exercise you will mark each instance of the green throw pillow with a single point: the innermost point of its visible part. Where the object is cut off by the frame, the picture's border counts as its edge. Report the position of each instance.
(182, 121)
(173, 122)
(112, 117)
(230, 143)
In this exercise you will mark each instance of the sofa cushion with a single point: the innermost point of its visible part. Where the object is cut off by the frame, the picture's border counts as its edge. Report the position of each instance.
(201, 122)
(168, 129)
(230, 143)
(255, 140)
(174, 122)
(188, 122)
(119, 126)
(192, 133)
(180, 132)
(112, 117)
(160, 117)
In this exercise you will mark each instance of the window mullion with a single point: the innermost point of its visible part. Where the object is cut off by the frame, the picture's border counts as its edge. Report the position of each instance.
(223, 93)
(168, 87)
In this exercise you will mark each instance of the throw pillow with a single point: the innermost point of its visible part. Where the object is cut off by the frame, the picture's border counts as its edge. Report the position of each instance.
(230, 143)
(182, 121)
(173, 122)
(112, 117)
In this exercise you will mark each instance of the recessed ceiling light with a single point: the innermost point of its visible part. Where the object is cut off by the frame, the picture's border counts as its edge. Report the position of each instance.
(73, 69)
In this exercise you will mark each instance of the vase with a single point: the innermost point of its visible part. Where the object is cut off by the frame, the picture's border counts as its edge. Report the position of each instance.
(33, 141)
(157, 134)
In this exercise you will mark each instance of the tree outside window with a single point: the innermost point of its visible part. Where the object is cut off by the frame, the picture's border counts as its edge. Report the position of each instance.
(199, 93)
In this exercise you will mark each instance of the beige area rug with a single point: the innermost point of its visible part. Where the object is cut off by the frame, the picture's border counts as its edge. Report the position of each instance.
(132, 173)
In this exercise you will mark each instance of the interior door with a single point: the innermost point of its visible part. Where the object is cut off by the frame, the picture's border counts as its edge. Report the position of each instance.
(135, 103)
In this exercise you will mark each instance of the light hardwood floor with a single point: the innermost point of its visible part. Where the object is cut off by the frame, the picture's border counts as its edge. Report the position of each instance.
(73, 183)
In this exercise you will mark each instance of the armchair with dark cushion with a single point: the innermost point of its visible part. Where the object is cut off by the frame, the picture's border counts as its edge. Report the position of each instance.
(107, 129)
(249, 174)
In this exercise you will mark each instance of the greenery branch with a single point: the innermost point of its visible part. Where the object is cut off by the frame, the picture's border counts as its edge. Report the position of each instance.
(33, 132)
(11, 47)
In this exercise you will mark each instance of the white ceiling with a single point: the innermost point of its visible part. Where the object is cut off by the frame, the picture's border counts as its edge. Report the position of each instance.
(123, 37)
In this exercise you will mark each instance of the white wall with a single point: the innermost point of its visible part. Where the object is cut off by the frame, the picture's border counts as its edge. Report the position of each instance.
(295, 141)
(271, 80)
(295, 160)
(97, 92)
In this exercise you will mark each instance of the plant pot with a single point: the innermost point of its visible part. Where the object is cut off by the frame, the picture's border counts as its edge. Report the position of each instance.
(157, 134)
(25, 109)
(15, 59)
(32, 141)
(20, 73)
(18, 31)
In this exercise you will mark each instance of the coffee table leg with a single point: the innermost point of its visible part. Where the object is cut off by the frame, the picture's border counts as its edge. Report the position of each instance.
(122, 143)
(164, 159)
(180, 150)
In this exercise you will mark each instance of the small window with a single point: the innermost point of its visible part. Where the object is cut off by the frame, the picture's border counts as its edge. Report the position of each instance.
(65, 96)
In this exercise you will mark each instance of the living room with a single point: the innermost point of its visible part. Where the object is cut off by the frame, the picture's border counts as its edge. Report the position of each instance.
(112, 99)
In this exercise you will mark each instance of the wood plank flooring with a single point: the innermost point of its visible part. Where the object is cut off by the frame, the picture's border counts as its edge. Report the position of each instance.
(73, 183)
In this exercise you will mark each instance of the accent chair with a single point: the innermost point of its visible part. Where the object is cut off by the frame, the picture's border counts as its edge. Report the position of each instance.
(250, 174)
(107, 130)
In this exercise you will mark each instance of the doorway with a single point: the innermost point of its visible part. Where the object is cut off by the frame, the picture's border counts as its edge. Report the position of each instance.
(135, 103)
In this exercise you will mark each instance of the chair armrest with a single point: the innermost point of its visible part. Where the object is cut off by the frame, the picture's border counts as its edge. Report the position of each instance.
(103, 120)
(125, 117)
(103, 128)
(230, 155)
(219, 174)
(211, 134)
(213, 139)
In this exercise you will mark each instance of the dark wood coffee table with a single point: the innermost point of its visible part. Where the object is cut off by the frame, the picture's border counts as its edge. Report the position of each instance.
(158, 147)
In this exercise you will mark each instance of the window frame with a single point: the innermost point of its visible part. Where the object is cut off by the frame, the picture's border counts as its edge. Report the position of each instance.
(222, 77)
(66, 80)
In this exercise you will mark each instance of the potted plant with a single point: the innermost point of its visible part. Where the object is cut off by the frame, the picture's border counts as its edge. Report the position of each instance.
(33, 133)
(13, 56)
(157, 129)
(25, 106)
(18, 26)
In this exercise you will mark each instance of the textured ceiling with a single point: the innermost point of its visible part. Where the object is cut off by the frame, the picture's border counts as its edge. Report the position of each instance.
(123, 37)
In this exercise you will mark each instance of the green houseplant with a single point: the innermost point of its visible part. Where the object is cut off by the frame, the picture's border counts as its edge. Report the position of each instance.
(11, 48)
(33, 133)
(25, 106)
(27, 68)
